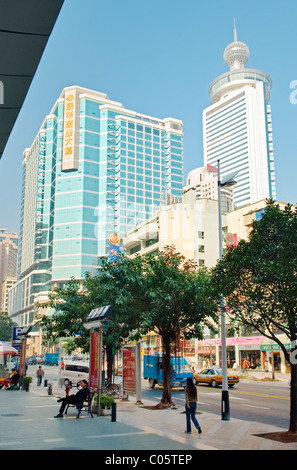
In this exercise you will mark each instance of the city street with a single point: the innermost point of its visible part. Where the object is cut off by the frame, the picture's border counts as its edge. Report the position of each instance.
(257, 401)
(28, 420)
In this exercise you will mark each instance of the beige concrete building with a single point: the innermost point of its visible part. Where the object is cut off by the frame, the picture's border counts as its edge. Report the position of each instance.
(240, 221)
(191, 226)
(7, 283)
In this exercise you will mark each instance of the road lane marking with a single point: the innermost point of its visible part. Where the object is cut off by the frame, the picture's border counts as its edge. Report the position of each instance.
(254, 406)
(261, 395)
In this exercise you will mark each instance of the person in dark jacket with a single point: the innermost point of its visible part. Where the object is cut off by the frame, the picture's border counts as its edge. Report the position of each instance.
(13, 380)
(79, 397)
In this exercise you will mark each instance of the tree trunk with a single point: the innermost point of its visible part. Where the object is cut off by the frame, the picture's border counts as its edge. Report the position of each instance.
(293, 399)
(110, 360)
(166, 399)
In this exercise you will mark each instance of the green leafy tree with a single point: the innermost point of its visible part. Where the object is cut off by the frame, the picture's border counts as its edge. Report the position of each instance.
(113, 285)
(166, 294)
(175, 299)
(6, 325)
(71, 307)
(259, 280)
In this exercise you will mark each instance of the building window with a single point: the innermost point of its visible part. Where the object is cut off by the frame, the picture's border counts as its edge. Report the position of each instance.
(135, 249)
(201, 263)
(201, 248)
(151, 241)
(201, 235)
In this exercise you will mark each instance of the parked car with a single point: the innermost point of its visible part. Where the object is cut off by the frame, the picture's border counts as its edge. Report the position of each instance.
(31, 361)
(213, 377)
(74, 372)
(40, 360)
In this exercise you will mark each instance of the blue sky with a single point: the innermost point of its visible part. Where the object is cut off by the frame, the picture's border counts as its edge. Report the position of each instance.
(159, 58)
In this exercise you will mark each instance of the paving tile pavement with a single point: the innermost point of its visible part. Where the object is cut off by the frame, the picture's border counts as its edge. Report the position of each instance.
(28, 423)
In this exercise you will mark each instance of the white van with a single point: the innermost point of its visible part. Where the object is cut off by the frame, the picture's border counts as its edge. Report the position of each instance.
(74, 372)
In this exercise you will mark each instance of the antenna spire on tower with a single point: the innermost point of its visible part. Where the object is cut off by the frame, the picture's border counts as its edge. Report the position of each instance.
(235, 32)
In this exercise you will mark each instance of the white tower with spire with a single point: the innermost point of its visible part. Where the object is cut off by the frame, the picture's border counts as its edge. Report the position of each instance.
(237, 53)
(237, 127)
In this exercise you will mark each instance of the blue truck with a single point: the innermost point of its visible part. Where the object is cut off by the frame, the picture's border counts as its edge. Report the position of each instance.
(153, 365)
(51, 359)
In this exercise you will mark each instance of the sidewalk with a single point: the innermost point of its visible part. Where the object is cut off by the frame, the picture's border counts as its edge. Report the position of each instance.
(27, 423)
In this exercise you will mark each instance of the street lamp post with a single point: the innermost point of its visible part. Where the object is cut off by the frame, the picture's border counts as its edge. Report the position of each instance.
(225, 408)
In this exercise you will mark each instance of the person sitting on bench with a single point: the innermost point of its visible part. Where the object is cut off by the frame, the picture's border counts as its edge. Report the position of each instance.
(12, 381)
(79, 397)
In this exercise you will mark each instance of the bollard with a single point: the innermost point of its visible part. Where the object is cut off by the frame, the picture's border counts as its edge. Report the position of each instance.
(113, 412)
(45, 383)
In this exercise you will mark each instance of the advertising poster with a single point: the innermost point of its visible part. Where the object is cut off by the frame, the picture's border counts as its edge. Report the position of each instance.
(129, 367)
(23, 354)
(94, 360)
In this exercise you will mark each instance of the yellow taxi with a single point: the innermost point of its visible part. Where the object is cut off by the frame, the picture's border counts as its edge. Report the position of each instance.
(213, 377)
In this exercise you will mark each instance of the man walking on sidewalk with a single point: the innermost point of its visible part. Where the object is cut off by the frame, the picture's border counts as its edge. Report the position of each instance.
(39, 375)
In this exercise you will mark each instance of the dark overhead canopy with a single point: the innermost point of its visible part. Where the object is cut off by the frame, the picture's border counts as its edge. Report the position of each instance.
(25, 26)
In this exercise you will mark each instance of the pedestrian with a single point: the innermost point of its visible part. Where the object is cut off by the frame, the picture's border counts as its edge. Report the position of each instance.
(190, 406)
(13, 379)
(245, 365)
(39, 375)
(79, 397)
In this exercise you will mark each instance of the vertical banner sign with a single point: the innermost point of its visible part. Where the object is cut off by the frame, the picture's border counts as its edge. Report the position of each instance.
(114, 247)
(114, 251)
(129, 367)
(70, 149)
(94, 360)
(23, 355)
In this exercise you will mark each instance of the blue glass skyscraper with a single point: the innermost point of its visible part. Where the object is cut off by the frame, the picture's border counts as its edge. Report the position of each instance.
(94, 169)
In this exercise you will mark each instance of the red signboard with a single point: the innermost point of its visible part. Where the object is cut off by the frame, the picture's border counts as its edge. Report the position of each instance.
(129, 379)
(94, 360)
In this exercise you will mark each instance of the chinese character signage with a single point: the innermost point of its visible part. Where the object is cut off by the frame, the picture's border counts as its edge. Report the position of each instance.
(70, 149)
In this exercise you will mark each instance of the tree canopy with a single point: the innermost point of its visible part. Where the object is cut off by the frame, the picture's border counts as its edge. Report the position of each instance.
(164, 293)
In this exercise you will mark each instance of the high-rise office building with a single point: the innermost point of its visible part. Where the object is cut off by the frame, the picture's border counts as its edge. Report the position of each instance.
(94, 169)
(237, 128)
(8, 263)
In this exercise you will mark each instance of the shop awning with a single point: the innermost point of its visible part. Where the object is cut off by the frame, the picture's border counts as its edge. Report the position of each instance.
(25, 27)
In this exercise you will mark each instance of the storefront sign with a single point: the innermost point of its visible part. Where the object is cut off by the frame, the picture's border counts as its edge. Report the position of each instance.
(274, 347)
(241, 340)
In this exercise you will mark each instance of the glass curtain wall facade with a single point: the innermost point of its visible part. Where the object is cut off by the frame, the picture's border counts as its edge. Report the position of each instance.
(94, 169)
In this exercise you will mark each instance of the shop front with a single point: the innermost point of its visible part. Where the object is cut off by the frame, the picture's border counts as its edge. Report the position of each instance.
(239, 349)
(274, 357)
